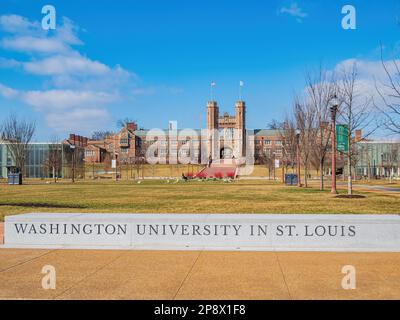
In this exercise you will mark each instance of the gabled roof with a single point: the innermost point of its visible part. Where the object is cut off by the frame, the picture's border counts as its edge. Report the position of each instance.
(257, 132)
(266, 132)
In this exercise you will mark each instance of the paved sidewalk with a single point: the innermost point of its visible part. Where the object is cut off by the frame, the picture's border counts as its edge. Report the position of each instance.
(197, 275)
(379, 188)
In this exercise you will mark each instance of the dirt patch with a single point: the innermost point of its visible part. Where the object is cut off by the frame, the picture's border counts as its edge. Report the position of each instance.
(42, 205)
(353, 196)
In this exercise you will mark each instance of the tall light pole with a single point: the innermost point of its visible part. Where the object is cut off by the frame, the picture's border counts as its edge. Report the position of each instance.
(298, 157)
(274, 166)
(116, 165)
(72, 146)
(334, 108)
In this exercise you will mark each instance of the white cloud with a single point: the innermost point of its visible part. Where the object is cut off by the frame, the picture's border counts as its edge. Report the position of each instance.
(34, 44)
(369, 69)
(7, 92)
(79, 90)
(295, 11)
(84, 121)
(370, 76)
(17, 24)
(73, 64)
(9, 63)
(29, 37)
(66, 99)
(53, 56)
(67, 110)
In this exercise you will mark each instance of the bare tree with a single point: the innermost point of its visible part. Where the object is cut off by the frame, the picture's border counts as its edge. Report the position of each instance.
(392, 159)
(320, 90)
(17, 135)
(355, 112)
(287, 134)
(305, 116)
(390, 95)
(274, 125)
(267, 160)
(54, 158)
(101, 135)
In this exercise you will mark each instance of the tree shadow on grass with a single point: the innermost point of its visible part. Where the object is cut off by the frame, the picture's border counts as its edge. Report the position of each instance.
(42, 205)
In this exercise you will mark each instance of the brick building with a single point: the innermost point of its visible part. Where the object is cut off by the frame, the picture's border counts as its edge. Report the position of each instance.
(229, 133)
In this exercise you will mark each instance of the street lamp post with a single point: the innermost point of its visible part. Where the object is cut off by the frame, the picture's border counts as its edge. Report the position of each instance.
(116, 165)
(298, 157)
(72, 146)
(334, 108)
(274, 165)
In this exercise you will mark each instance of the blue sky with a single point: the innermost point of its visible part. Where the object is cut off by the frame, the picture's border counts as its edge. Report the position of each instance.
(153, 61)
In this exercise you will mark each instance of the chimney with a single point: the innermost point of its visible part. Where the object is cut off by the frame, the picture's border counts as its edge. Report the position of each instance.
(131, 126)
(324, 125)
(72, 138)
(358, 135)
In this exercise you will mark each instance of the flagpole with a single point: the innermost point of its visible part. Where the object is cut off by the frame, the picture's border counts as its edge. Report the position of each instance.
(212, 90)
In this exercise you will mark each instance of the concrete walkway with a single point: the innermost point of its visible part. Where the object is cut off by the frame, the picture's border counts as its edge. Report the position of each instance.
(378, 188)
(197, 275)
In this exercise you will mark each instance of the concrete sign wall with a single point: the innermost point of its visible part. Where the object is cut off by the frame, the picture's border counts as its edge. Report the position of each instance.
(249, 232)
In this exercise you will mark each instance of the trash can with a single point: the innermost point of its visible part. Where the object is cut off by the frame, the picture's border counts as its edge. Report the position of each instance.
(15, 178)
(291, 179)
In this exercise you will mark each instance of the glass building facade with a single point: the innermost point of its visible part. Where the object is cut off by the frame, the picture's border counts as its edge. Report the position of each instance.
(378, 159)
(40, 161)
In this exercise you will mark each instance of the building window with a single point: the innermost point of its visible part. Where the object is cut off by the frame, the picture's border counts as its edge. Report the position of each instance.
(267, 142)
(184, 142)
(89, 153)
(229, 133)
(184, 153)
(124, 150)
(278, 142)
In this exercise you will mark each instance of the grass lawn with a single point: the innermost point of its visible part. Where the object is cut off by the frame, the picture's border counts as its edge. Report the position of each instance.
(185, 197)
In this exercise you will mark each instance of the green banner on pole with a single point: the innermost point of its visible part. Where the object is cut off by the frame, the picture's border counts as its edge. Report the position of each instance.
(342, 138)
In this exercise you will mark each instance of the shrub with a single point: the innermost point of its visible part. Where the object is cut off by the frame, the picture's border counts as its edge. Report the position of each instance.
(189, 175)
(201, 175)
(231, 175)
(219, 175)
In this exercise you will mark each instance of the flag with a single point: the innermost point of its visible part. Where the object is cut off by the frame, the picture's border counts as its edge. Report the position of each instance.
(241, 83)
(173, 125)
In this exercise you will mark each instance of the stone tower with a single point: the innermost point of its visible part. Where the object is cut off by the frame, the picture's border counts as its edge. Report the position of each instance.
(212, 115)
(235, 124)
(240, 117)
(212, 127)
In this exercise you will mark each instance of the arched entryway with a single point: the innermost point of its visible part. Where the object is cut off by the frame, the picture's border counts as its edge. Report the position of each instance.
(226, 153)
